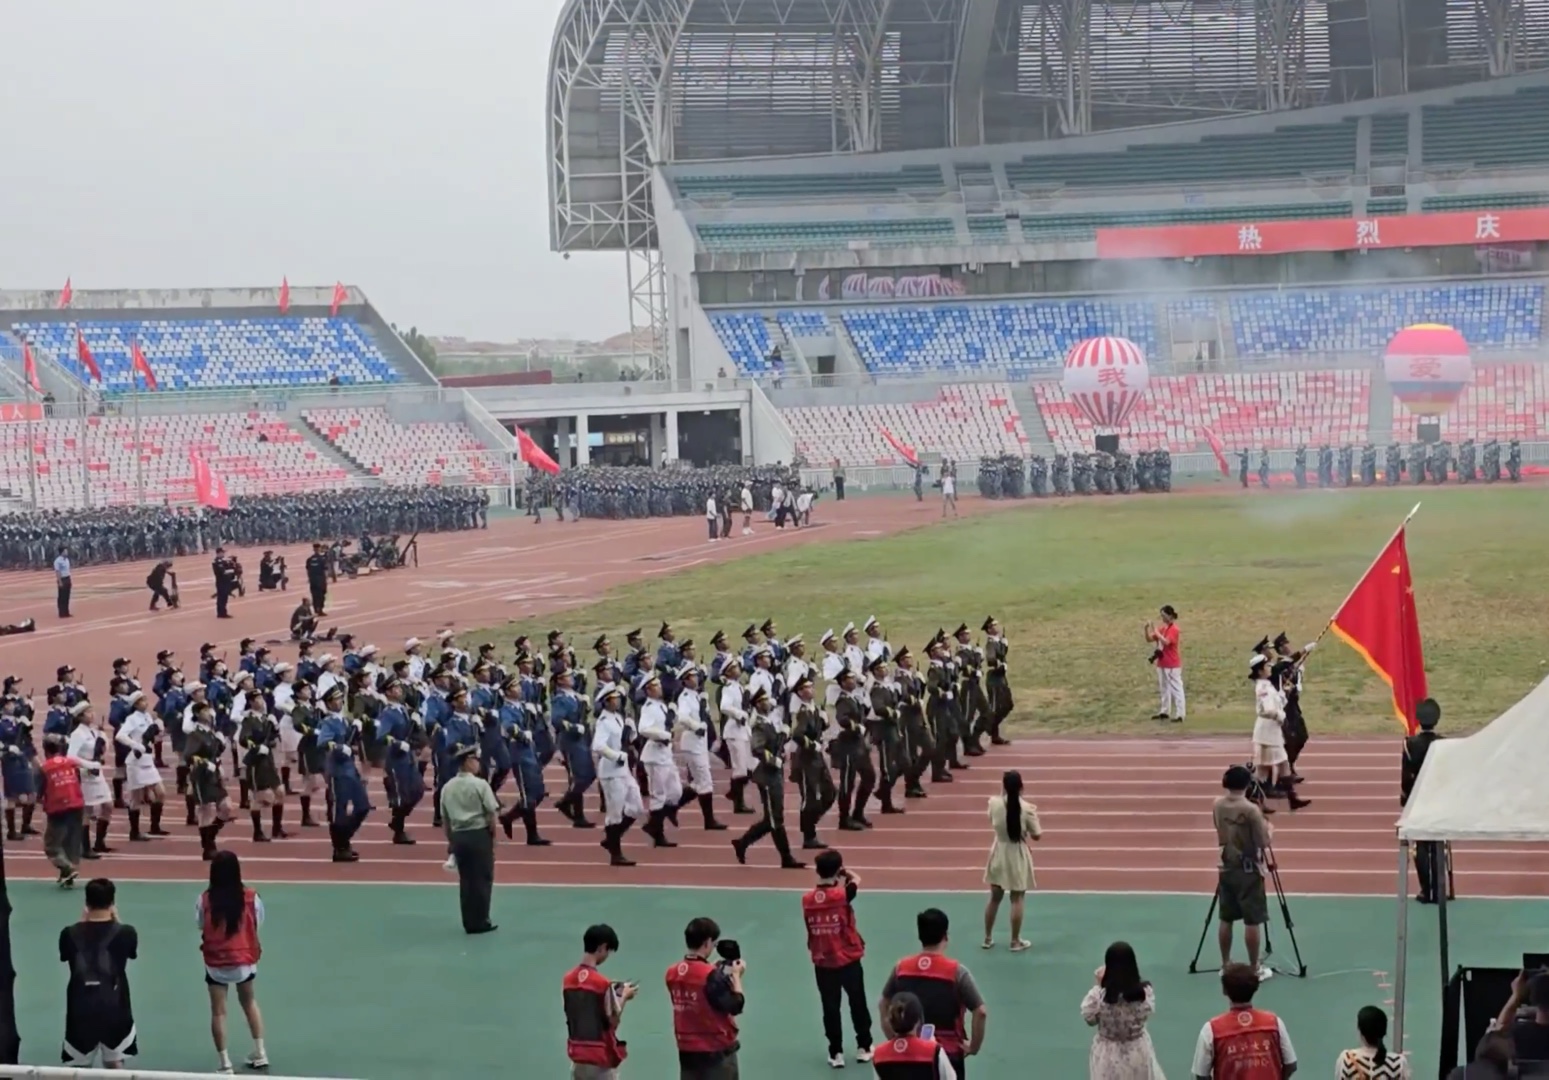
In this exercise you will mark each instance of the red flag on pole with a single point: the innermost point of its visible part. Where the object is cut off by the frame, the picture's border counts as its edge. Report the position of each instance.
(340, 295)
(30, 365)
(1218, 448)
(907, 451)
(533, 454)
(209, 489)
(66, 295)
(83, 354)
(1378, 620)
(140, 367)
(284, 296)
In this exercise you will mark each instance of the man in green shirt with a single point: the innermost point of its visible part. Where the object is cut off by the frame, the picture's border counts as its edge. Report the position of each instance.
(469, 810)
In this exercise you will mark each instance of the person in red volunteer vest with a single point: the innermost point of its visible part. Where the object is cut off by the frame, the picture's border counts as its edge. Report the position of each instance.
(706, 1001)
(64, 805)
(1243, 1043)
(229, 915)
(910, 1055)
(837, 950)
(945, 989)
(593, 1006)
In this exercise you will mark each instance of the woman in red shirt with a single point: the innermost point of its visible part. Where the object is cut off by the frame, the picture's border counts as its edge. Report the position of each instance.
(229, 915)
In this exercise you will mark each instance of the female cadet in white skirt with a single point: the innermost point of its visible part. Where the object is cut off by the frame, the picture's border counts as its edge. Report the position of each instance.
(88, 743)
(142, 779)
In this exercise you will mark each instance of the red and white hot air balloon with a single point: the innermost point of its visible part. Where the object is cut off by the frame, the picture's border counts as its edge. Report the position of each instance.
(1106, 377)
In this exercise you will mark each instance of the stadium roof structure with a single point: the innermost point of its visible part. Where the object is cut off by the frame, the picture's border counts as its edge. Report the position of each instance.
(636, 83)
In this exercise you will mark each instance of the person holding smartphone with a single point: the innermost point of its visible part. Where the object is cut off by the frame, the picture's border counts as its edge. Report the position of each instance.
(913, 1052)
(593, 1007)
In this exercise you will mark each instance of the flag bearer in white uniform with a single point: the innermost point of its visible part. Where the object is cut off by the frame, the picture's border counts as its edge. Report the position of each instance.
(87, 744)
(661, 772)
(621, 794)
(142, 780)
(736, 733)
(693, 731)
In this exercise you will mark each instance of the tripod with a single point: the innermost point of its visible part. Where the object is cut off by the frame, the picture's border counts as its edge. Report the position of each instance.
(1299, 971)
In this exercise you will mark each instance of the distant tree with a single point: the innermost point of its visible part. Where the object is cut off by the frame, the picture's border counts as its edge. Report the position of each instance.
(420, 345)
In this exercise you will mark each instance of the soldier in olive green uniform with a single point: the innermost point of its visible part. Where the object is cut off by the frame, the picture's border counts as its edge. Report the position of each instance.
(941, 708)
(812, 776)
(919, 747)
(768, 743)
(886, 733)
(851, 754)
(972, 703)
(997, 680)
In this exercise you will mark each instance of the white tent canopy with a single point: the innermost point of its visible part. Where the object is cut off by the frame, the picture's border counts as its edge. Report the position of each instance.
(1488, 786)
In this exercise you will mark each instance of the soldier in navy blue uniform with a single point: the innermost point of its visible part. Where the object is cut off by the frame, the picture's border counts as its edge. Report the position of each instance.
(16, 754)
(339, 736)
(669, 657)
(567, 711)
(57, 720)
(399, 732)
(532, 736)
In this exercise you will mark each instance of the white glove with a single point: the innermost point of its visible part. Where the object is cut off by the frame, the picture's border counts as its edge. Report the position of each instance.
(357, 724)
(349, 751)
(403, 746)
(13, 751)
(1310, 646)
(263, 751)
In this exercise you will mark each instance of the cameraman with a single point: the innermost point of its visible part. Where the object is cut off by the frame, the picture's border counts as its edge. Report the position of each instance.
(706, 999)
(1429, 866)
(837, 950)
(593, 1006)
(271, 573)
(1244, 836)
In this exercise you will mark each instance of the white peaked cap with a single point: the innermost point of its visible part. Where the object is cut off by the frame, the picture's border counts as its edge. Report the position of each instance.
(828, 635)
(871, 621)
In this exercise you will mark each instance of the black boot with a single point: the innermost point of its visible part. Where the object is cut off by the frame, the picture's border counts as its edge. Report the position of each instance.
(782, 844)
(530, 822)
(285, 779)
(27, 812)
(613, 843)
(306, 813)
(579, 820)
(508, 818)
(885, 795)
(135, 836)
(739, 795)
(193, 810)
(568, 806)
(207, 841)
(707, 808)
(101, 846)
(276, 828)
(10, 826)
(156, 829)
(118, 794)
(259, 836)
(182, 779)
(341, 846)
(247, 795)
(657, 829)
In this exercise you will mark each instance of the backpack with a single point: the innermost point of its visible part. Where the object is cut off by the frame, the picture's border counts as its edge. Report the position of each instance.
(94, 973)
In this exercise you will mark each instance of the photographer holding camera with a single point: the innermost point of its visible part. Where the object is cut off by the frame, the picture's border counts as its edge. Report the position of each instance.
(706, 1000)
(593, 1007)
(837, 951)
(271, 573)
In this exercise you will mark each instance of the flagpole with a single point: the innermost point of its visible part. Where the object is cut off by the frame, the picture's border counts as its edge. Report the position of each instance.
(85, 448)
(32, 462)
(139, 461)
(1327, 627)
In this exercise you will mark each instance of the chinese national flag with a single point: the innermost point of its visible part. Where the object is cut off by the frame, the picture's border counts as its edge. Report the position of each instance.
(284, 296)
(83, 354)
(1218, 448)
(533, 454)
(340, 295)
(141, 368)
(66, 295)
(1379, 622)
(209, 489)
(30, 366)
(903, 448)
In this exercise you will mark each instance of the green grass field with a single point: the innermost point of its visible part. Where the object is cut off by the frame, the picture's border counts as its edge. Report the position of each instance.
(1072, 582)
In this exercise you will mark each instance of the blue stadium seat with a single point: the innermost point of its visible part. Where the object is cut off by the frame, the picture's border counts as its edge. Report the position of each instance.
(1490, 315)
(745, 336)
(1021, 337)
(205, 354)
(805, 324)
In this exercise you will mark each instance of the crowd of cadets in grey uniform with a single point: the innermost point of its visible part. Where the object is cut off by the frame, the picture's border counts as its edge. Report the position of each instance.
(615, 492)
(888, 718)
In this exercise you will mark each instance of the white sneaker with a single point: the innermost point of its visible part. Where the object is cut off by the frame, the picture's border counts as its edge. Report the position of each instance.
(836, 1061)
(863, 1055)
(450, 866)
(1265, 973)
(747, 532)
(255, 1060)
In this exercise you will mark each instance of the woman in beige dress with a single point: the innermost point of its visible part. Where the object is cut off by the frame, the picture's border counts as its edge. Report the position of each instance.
(1010, 869)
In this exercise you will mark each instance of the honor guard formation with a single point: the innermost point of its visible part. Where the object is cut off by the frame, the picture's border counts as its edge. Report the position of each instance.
(1011, 477)
(1420, 463)
(30, 540)
(617, 492)
(855, 719)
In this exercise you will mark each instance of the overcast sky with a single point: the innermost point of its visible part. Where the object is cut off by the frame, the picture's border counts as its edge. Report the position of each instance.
(397, 145)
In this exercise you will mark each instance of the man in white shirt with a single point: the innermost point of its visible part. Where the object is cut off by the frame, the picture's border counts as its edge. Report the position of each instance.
(776, 499)
(621, 794)
(747, 509)
(62, 582)
(711, 514)
(804, 508)
(661, 772)
(1242, 1031)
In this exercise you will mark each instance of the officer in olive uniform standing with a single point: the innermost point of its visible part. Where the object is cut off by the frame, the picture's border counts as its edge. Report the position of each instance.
(1429, 865)
(317, 579)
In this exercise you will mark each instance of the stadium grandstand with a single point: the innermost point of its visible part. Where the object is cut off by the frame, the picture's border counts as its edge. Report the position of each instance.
(323, 394)
(903, 215)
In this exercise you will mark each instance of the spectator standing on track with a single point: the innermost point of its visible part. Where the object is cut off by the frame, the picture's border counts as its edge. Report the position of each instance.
(99, 1018)
(706, 998)
(229, 915)
(1244, 836)
(468, 810)
(593, 1008)
(838, 480)
(945, 988)
(1244, 1031)
(837, 950)
(62, 581)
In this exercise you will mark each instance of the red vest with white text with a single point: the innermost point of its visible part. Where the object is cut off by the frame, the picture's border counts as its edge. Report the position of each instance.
(932, 978)
(832, 938)
(698, 1028)
(1246, 1045)
(61, 785)
(591, 1037)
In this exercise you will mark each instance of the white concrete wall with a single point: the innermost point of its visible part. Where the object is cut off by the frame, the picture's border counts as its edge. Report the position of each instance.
(675, 241)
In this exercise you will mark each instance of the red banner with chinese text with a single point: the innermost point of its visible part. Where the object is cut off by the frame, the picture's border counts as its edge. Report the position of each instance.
(1466, 229)
(11, 412)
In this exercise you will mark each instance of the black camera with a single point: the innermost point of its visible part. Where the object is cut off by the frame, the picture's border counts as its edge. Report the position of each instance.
(728, 950)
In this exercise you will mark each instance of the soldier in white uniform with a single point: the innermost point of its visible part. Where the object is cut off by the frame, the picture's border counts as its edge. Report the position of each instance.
(143, 784)
(736, 733)
(763, 678)
(621, 794)
(796, 665)
(876, 643)
(661, 772)
(694, 746)
(88, 745)
(833, 664)
(854, 655)
(418, 665)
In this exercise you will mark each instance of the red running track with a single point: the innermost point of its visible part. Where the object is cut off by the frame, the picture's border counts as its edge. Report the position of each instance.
(1119, 815)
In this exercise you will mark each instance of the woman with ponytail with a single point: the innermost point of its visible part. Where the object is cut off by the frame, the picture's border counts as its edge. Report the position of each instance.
(1371, 1060)
(1010, 869)
(911, 1052)
(229, 915)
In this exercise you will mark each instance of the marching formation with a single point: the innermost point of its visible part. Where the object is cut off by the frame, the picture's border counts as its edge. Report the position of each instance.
(639, 724)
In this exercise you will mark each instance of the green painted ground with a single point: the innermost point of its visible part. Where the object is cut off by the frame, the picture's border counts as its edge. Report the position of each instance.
(379, 982)
(1073, 582)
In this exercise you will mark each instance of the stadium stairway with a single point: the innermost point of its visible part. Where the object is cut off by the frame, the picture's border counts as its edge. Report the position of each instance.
(1039, 441)
(1379, 416)
(364, 476)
